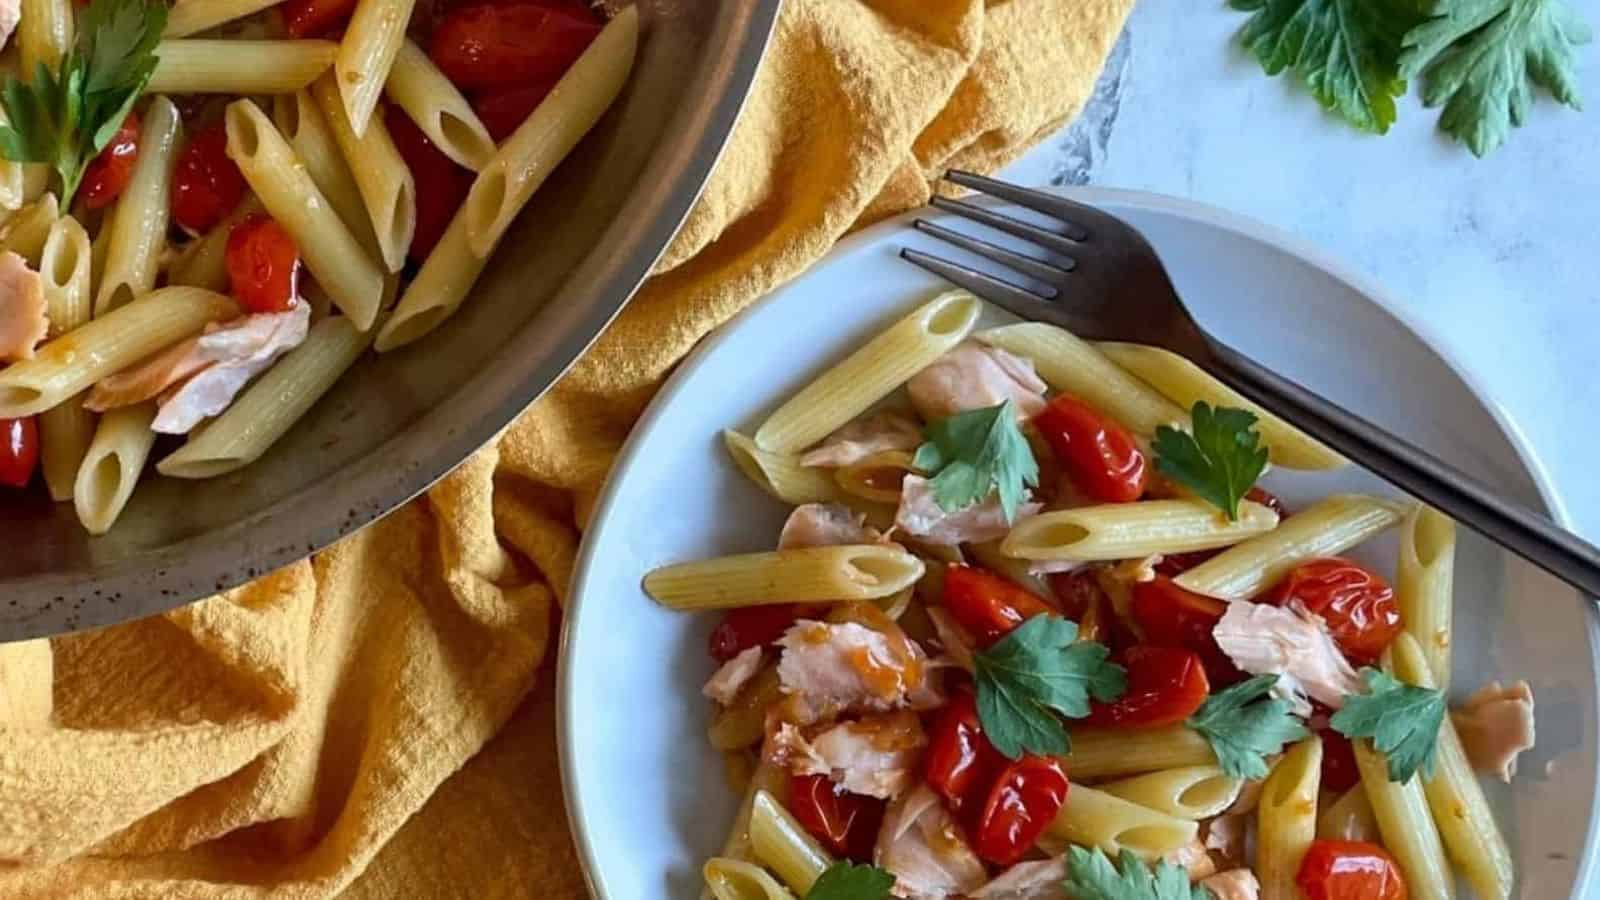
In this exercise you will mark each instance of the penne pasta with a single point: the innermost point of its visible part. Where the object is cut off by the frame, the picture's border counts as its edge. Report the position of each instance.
(1329, 527)
(352, 279)
(139, 231)
(1113, 752)
(44, 34)
(194, 16)
(301, 123)
(1348, 818)
(1185, 384)
(782, 845)
(417, 86)
(743, 723)
(780, 474)
(1114, 531)
(877, 478)
(732, 879)
(1408, 829)
(562, 118)
(202, 66)
(811, 574)
(99, 246)
(438, 290)
(65, 429)
(864, 377)
(1424, 585)
(1072, 365)
(112, 465)
(1286, 819)
(988, 555)
(1095, 818)
(366, 52)
(204, 262)
(768, 778)
(73, 362)
(388, 191)
(1190, 792)
(26, 231)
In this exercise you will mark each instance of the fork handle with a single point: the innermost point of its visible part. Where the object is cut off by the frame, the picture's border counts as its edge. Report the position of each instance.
(1415, 470)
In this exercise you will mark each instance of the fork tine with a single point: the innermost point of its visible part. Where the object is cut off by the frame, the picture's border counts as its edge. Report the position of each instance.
(1015, 300)
(1015, 227)
(1033, 268)
(1034, 200)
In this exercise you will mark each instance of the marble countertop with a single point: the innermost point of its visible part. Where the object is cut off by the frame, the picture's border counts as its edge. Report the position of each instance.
(1496, 260)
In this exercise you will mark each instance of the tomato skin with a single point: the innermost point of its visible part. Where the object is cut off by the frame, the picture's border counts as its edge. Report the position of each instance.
(109, 173)
(986, 604)
(1099, 455)
(206, 183)
(1171, 616)
(491, 46)
(502, 110)
(1349, 870)
(753, 626)
(1339, 772)
(960, 763)
(19, 451)
(1357, 604)
(315, 18)
(1024, 800)
(441, 184)
(263, 265)
(847, 824)
(1165, 686)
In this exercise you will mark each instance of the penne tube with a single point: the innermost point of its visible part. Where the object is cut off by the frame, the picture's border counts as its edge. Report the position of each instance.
(1327, 528)
(44, 35)
(337, 260)
(1424, 585)
(139, 231)
(810, 574)
(1286, 819)
(876, 478)
(1408, 829)
(743, 723)
(987, 554)
(1113, 752)
(311, 137)
(65, 429)
(780, 474)
(864, 377)
(367, 51)
(768, 778)
(417, 86)
(265, 410)
(26, 231)
(1186, 384)
(562, 118)
(388, 191)
(438, 290)
(732, 879)
(99, 247)
(195, 16)
(1115, 531)
(782, 845)
(1095, 818)
(1348, 818)
(1190, 792)
(204, 262)
(112, 465)
(72, 363)
(202, 66)
(1072, 365)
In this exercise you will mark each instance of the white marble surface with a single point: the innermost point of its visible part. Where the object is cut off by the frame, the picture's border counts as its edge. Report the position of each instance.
(1496, 260)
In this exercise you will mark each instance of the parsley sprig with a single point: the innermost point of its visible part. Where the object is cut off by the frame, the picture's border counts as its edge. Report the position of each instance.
(1037, 671)
(1219, 459)
(1090, 876)
(66, 117)
(973, 453)
(1244, 726)
(844, 881)
(1402, 720)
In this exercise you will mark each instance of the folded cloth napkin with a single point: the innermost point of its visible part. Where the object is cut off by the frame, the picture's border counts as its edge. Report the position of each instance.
(377, 722)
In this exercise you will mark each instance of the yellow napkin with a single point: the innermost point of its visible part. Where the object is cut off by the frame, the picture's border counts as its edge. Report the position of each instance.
(376, 722)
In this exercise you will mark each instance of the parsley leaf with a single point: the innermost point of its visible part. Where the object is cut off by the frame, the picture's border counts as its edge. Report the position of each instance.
(1090, 876)
(1345, 51)
(1403, 721)
(843, 881)
(1243, 726)
(975, 452)
(1481, 59)
(1220, 461)
(65, 118)
(1038, 668)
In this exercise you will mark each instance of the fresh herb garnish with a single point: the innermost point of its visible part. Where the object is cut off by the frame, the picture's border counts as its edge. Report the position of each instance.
(1090, 876)
(1244, 726)
(1038, 670)
(65, 118)
(843, 881)
(1219, 461)
(1402, 720)
(972, 453)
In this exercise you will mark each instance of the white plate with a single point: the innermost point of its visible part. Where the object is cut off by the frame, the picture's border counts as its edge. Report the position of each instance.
(645, 792)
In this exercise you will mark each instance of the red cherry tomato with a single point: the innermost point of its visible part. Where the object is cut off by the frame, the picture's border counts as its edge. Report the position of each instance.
(484, 46)
(1170, 616)
(441, 184)
(1099, 455)
(1349, 870)
(19, 451)
(1358, 605)
(753, 626)
(1176, 564)
(986, 604)
(263, 265)
(845, 823)
(501, 111)
(107, 174)
(1339, 772)
(1025, 798)
(960, 763)
(1165, 686)
(315, 18)
(206, 183)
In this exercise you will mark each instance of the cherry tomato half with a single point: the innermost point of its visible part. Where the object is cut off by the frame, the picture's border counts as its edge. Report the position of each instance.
(1349, 870)
(263, 265)
(483, 46)
(986, 604)
(315, 18)
(753, 626)
(845, 823)
(960, 763)
(441, 184)
(107, 174)
(501, 111)
(1165, 686)
(1025, 798)
(19, 451)
(1339, 772)
(1358, 605)
(1175, 564)
(1171, 616)
(1099, 455)
(206, 183)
